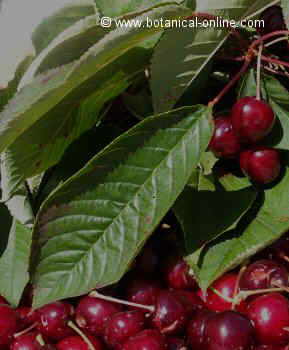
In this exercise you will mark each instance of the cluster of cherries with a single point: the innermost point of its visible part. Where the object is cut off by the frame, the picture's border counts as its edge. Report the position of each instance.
(246, 309)
(239, 134)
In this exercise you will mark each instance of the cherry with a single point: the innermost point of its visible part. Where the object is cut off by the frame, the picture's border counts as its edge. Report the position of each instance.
(123, 325)
(220, 296)
(174, 343)
(224, 143)
(178, 277)
(252, 119)
(3, 301)
(191, 301)
(26, 342)
(53, 319)
(26, 316)
(148, 261)
(264, 274)
(196, 329)
(261, 164)
(269, 347)
(146, 340)
(92, 314)
(8, 324)
(77, 343)
(280, 249)
(229, 330)
(170, 314)
(270, 315)
(143, 292)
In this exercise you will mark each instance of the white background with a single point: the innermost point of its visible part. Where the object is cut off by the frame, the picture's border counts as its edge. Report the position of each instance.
(18, 18)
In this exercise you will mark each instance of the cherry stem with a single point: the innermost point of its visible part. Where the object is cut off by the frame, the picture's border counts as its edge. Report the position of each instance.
(245, 294)
(276, 61)
(233, 81)
(95, 294)
(278, 40)
(268, 36)
(258, 87)
(26, 330)
(81, 334)
(40, 340)
(271, 70)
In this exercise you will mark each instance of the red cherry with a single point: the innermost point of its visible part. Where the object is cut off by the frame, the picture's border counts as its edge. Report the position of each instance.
(261, 164)
(280, 250)
(26, 317)
(3, 301)
(270, 347)
(224, 143)
(196, 329)
(222, 291)
(174, 343)
(8, 324)
(270, 316)
(26, 342)
(178, 277)
(229, 330)
(191, 301)
(143, 292)
(53, 319)
(122, 326)
(170, 314)
(77, 343)
(252, 119)
(264, 274)
(92, 314)
(146, 340)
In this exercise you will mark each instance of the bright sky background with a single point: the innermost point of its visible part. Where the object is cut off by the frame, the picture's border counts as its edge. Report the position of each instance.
(18, 18)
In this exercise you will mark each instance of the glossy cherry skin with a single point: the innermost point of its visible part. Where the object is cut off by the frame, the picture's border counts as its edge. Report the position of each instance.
(261, 164)
(225, 286)
(178, 277)
(146, 340)
(92, 314)
(122, 326)
(270, 315)
(174, 343)
(26, 317)
(170, 314)
(8, 324)
(224, 143)
(264, 274)
(26, 342)
(77, 343)
(196, 329)
(191, 301)
(269, 347)
(143, 292)
(53, 319)
(229, 330)
(252, 119)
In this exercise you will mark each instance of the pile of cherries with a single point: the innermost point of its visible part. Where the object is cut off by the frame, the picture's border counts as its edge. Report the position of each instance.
(239, 134)
(245, 309)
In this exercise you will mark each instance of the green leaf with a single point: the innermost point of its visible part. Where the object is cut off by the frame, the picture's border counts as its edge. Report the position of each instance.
(204, 215)
(59, 88)
(63, 18)
(263, 224)
(14, 263)
(139, 104)
(188, 51)
(285, 8)
(99, 219)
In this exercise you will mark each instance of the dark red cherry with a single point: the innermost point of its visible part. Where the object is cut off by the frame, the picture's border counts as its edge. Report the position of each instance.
(26, 342)
(219, 296)
(92, 314)
(178, 277)
(77, 343)
(123, 325)
(261, 164)
(148, 261)
(8, 324)
(252, 119)
(270, 347)
(270, 316)
(3, 301)
(170, 314)
(53, 319)
(191, 301)
(196, 329)
(143, 292)
(264, 274)
(146, 340)
(224, 143)
(280, 250)
(174, 343)
(26, 317)
(229, 330)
